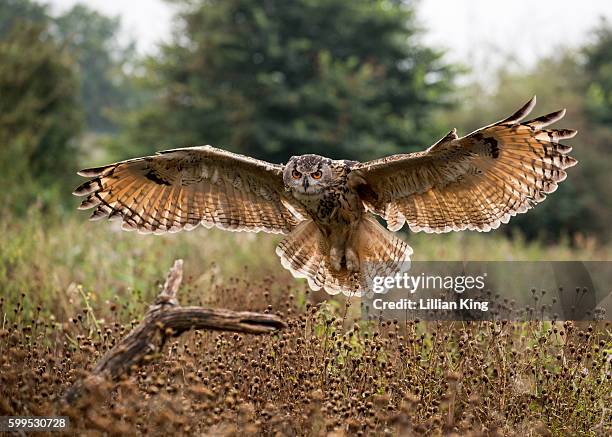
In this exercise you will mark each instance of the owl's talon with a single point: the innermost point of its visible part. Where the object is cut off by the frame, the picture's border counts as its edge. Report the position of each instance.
(335, 256)
(352, 261)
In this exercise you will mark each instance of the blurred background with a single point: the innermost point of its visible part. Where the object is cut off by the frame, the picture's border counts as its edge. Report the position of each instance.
(85, 83)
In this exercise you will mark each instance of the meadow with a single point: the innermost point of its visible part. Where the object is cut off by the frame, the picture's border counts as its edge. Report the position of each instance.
(72, 289)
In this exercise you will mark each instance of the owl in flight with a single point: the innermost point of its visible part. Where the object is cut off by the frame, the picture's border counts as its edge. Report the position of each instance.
(325, 207)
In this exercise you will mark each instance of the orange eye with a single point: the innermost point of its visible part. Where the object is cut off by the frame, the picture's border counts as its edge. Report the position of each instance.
(316, 174)
(296, 174)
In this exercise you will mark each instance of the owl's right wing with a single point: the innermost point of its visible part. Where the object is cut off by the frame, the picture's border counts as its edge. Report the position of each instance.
(182, 188)
(475, 182)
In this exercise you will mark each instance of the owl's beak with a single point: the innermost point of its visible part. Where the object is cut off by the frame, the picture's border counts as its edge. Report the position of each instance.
(305, 184)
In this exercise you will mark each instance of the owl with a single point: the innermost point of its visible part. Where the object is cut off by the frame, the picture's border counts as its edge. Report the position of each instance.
(327, 208)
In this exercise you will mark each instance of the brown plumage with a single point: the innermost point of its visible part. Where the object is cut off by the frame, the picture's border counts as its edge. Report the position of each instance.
(305, 254)
(182, 188)
(475, 182)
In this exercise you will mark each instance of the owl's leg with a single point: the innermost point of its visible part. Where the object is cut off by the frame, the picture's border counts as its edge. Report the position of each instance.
(335, 257)
(352, 259)
(343, 249)
(350, 251)
(337, 239)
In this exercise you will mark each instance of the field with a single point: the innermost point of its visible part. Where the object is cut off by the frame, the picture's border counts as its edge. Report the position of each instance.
(72, 288)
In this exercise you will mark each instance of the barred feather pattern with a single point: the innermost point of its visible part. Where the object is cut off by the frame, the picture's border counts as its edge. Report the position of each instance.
(475, 182)
(305, 253)
(183, 188)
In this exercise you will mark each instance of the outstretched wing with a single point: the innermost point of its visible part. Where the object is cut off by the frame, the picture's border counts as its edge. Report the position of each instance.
(182, 188)
(475, 182)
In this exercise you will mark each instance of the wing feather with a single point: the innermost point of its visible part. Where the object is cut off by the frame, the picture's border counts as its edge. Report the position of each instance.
(182, 188)
(475, 182)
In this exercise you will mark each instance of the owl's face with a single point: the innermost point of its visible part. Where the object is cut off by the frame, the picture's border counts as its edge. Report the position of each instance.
(307, 174)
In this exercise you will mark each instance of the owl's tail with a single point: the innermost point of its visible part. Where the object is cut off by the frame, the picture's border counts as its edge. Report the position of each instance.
(305, 253)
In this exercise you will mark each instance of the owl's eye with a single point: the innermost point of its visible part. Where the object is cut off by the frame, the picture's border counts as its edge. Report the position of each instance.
(296, 174)
(316, 174)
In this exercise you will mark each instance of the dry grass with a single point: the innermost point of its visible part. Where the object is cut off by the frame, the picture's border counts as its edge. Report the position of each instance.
(72, 290)
(319, 376)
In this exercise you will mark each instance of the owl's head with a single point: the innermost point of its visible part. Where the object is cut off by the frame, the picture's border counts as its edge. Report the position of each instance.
(307, 174)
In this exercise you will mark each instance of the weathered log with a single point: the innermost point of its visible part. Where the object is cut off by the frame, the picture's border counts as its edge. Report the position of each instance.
(166, 318)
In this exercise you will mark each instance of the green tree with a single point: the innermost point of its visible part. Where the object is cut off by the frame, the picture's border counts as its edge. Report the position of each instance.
(275, 78)
(93, 39)
(15, 11)
(598, 67)
(39, 113)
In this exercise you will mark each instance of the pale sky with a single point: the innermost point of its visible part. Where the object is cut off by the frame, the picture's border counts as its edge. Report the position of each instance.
(479, 33)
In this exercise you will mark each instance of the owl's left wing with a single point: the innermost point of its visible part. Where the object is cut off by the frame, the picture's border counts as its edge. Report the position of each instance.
(475, 182)
(182, 188)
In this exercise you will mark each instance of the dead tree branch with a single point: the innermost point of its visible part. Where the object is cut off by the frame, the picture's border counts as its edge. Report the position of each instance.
(166, 318)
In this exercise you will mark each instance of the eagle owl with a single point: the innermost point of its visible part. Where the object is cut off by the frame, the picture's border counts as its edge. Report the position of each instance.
(325, 207)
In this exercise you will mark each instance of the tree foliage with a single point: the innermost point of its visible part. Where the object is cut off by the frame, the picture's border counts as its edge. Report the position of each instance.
(598, 68)
(39, 111)
(13, 12)
(277, 78)
(56, 73)
(93, 39)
